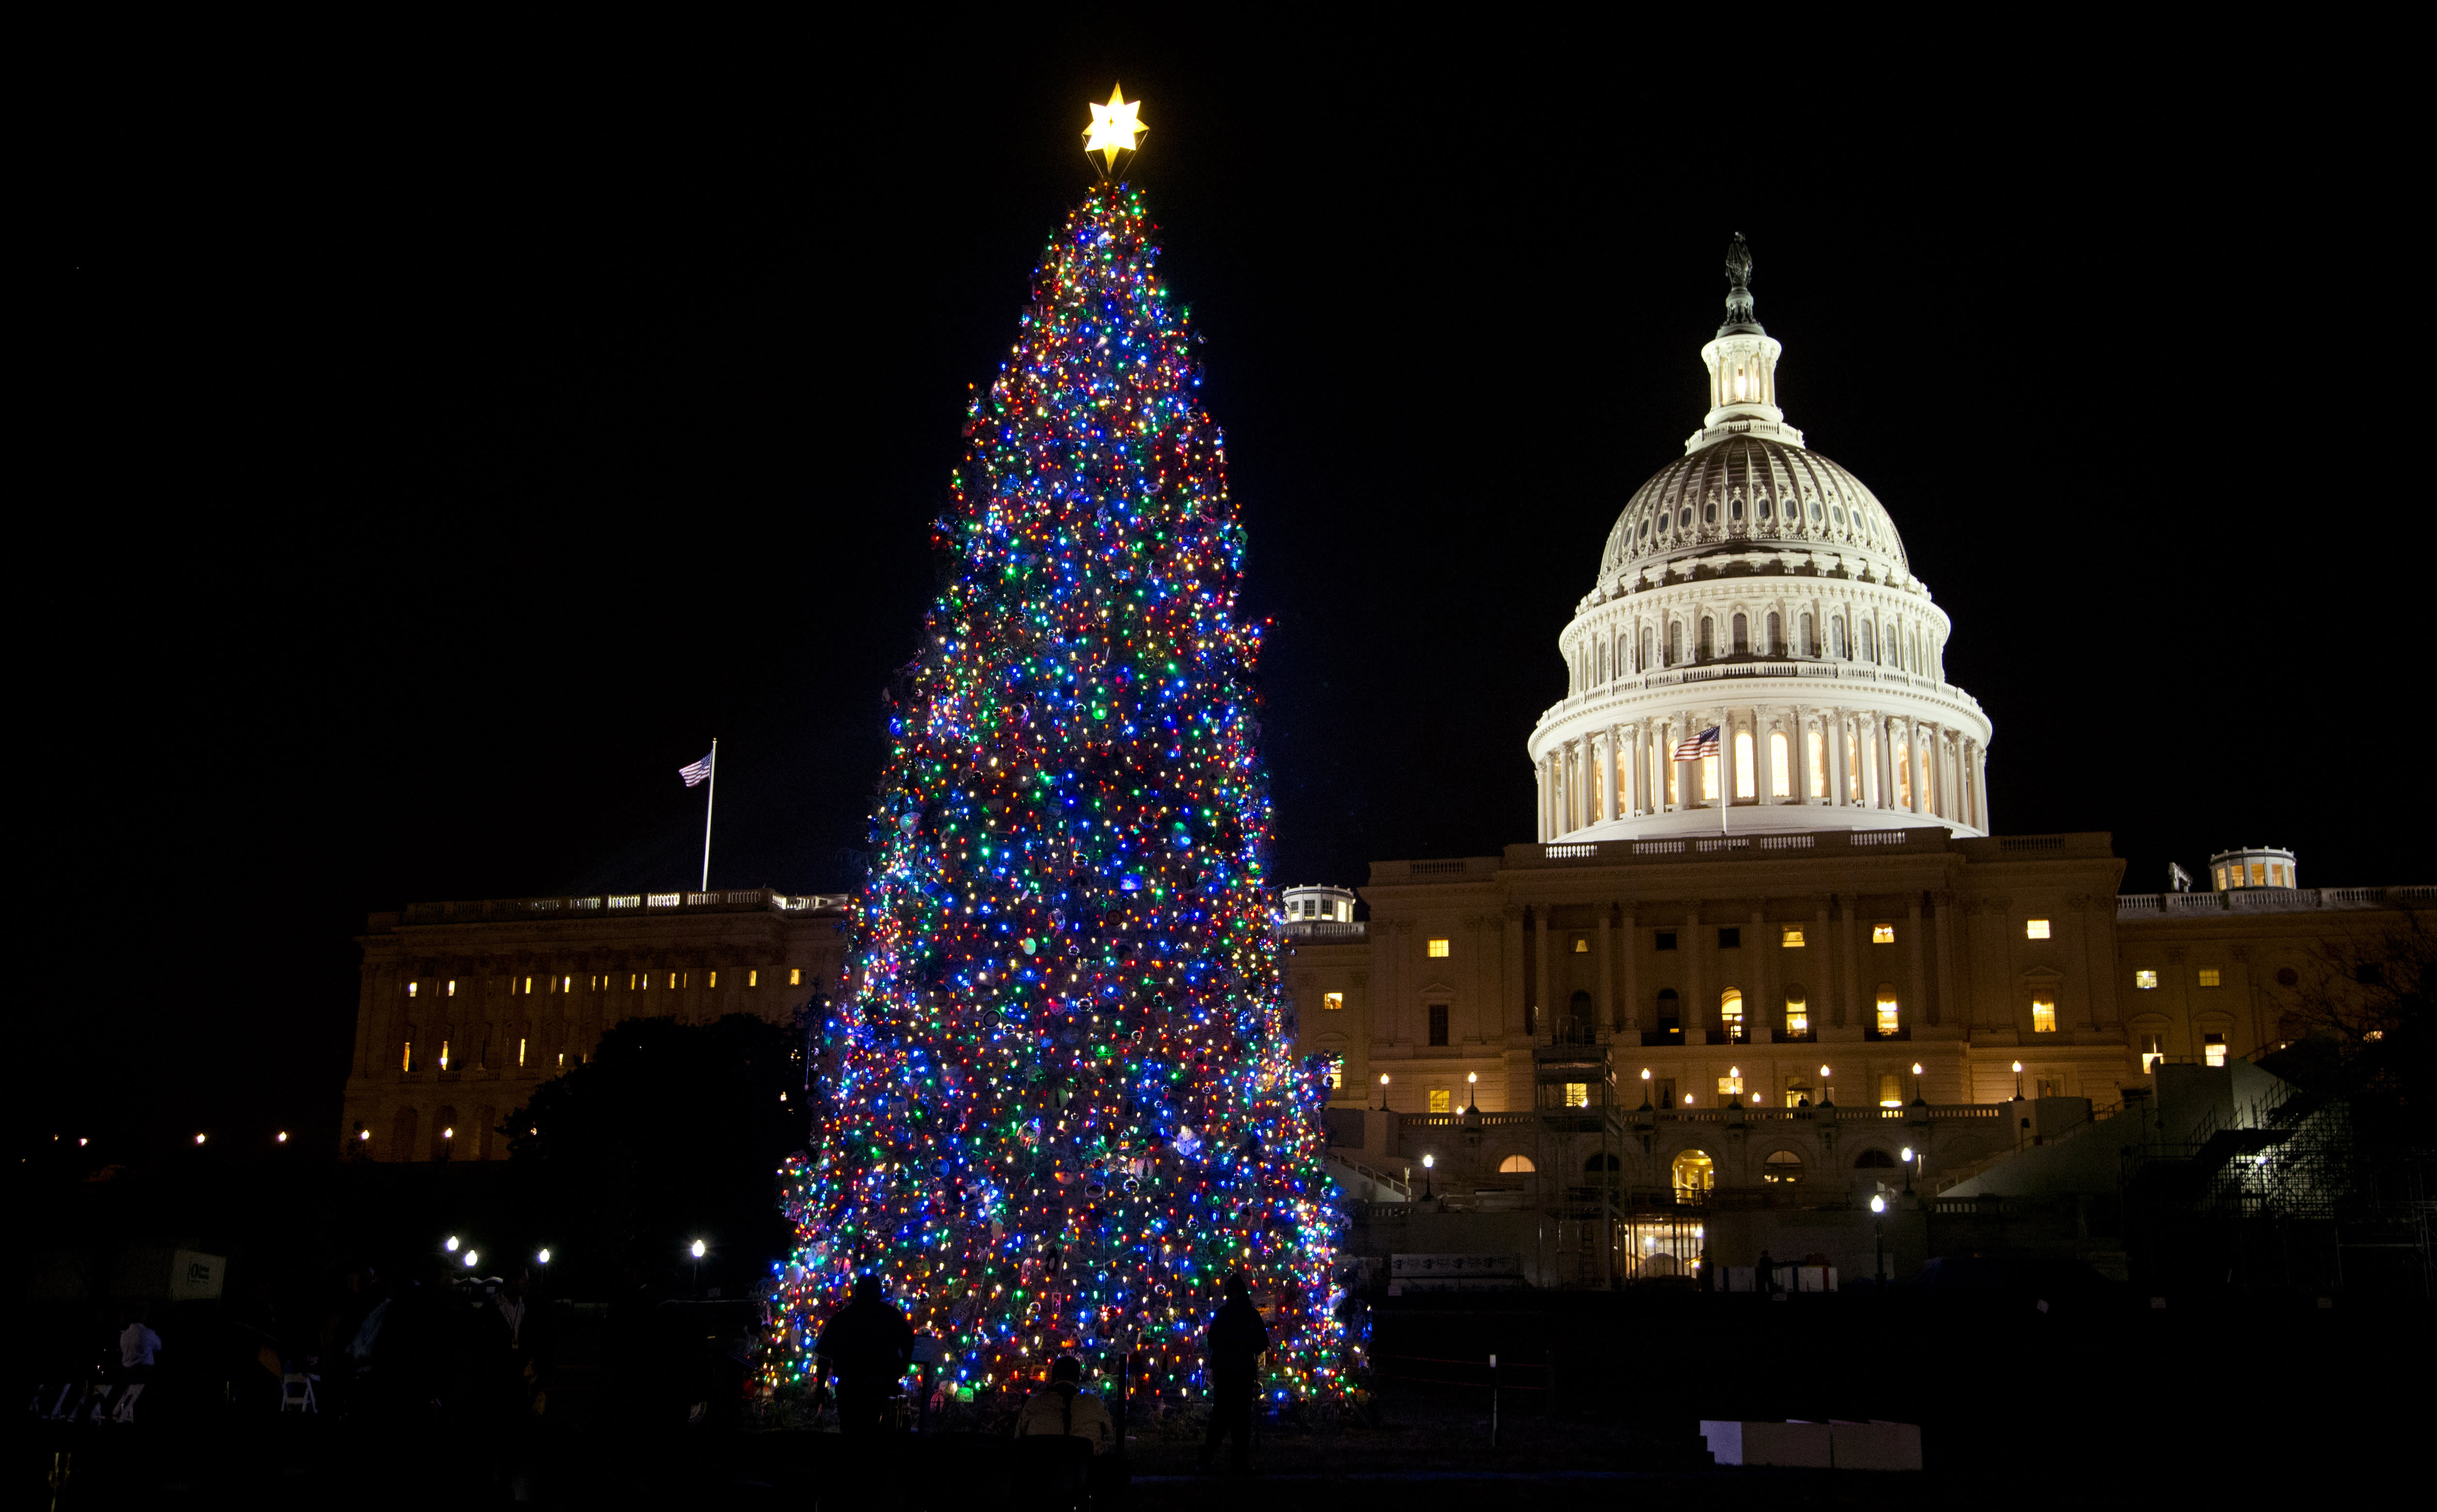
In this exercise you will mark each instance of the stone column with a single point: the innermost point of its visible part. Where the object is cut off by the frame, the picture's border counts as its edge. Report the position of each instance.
(1612, 773)
(1536, 1013)
(1849, 937)
(1510, 962)
(1764, 759)
(1946, 963)
(1606, 1004)
(1918, 988)
(1882, 759)
(1832, 735)
(1627, 766)
(1631, 1017)
(1980, 763)
(1697, 1016)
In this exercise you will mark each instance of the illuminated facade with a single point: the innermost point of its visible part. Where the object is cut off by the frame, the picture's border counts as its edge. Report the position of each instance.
(466, 1008)
(1844, 987)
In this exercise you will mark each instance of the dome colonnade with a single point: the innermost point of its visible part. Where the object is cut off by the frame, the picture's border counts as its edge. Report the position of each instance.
(1757, 588)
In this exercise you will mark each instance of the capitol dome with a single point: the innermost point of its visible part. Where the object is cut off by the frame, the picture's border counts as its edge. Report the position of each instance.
(1754, 588)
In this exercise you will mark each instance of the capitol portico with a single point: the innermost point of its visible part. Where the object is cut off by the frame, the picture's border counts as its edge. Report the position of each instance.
(1756, 588)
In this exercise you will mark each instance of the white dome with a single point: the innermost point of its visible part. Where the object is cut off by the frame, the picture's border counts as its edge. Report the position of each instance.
(1755, 589)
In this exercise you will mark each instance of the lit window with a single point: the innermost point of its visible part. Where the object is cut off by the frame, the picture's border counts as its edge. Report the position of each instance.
(2213, 1047)
(1778, 779)
(1709, 778)
(2150, 1053)
(521, 1052)
(1798, 1017)
(1743, 783)
(1332, 1002)
(794, 976)
(1438, 947)
(630, 981)
(1581, 946)
(410, 987)
(2035, 928)
(2042, 1015)
(2145, 979)
(1891, 1090)
(452, 988)
(1883, 934)
(444, 1055)
(2220, 879)
(1730, 1012)
(1517, 1166)
(528, 987)
(406, 1057)
(1890, 1019)
(1442, 1100)
(753, 978)
(1782, 1167)
(1578, 1094)
(714, 978)
(672, 981)
(1336, 1073)
(1793, 937)
(1731, 1086)
(2209, 976)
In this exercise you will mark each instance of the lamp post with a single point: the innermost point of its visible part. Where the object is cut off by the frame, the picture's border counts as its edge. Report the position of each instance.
(697, 1249)
(1472, 1081)
(1427, 1161)
(1827, 1094)
(2018, 1081)
(1879, 1238)
(1918, 1100)
(1383, 1092)
(1907, 1169)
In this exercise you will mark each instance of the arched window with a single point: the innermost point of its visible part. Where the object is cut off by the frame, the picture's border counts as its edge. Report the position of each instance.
(1580, 1020)
(1779, 780)
(1709, 513)
(1797, 1012)
(1517, 1166)
(402, 1131)
(1737, 509)
(1869, 642)
(1890, 1019)
(1903, 775)
(1595, 1163)
(1647, 637)
(1874, 1160)
(1780, 1168)
(1745, 780)
(1675, 643)
(1730, 1014)
(1741, 628)
(1836, 630)
(1776, 636)
(1694, 1173)
(1603, 662)
(1670, 1012)
(1708, 638)
(1803, 647)
(1764, 506)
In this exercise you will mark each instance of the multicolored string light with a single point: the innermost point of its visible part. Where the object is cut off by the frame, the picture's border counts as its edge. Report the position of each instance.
(1059, 1100)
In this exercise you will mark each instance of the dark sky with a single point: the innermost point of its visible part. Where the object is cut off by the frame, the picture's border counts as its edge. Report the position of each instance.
(442, 459)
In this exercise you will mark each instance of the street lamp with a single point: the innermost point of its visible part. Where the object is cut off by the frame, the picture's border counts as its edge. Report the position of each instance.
(1645, 1086)
(450, 1245)
(1472, 1080)
(2018, 1081)
(1827, 1098)
(1427, 1161)
(697, 1249)
(1907, 1166)
(1383, 1092)
(1878, 1236)
(1918, 1100)
(470, 1258)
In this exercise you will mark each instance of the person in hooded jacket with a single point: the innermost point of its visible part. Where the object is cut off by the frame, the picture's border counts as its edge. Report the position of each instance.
(864, 1347)
(1232, 1349)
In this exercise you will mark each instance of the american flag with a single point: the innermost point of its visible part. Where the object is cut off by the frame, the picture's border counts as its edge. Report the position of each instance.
(694, 774)
(1704, 744)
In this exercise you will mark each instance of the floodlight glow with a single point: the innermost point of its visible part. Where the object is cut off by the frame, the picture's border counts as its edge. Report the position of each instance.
(700, 1249)
(450, 1245)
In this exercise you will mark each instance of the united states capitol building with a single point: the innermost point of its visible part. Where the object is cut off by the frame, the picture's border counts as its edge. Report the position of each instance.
(1767, 956)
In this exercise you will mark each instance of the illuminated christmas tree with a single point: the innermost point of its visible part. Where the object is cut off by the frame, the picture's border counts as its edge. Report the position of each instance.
(1058, 1098)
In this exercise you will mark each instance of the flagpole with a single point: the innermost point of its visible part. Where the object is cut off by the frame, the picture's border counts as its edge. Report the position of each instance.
(708, 803)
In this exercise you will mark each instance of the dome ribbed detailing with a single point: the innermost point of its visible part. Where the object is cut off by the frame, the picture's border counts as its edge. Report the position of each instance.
(1734, 497)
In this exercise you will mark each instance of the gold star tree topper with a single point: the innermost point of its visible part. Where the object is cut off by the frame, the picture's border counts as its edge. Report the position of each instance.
(1114, 127)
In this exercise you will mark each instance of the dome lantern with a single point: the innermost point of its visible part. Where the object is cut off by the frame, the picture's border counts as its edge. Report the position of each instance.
(1743, 367)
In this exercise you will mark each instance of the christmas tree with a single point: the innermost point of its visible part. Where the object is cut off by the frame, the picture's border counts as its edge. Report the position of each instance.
(1058, 1100)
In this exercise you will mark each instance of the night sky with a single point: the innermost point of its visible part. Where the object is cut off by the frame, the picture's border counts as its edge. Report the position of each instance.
(440, 464)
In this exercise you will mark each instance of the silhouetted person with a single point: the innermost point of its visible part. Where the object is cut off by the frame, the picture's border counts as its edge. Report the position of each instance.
(1065, 1408)
(864, 1347)
(1233, 1350)
(1768, 1275)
